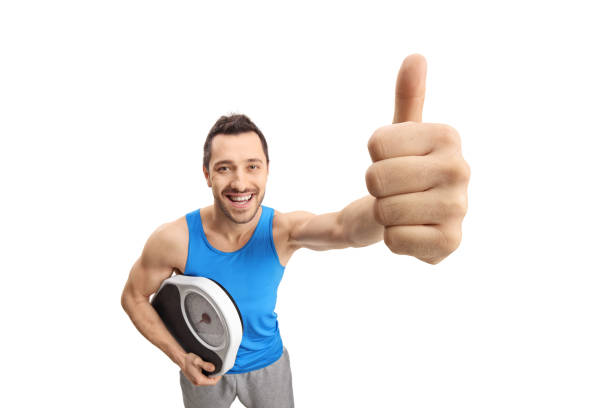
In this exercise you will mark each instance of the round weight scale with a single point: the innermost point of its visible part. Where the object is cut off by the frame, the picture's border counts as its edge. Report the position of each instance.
(203, 318)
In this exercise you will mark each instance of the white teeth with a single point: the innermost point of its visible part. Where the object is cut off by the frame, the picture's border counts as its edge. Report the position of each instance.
(241, 199)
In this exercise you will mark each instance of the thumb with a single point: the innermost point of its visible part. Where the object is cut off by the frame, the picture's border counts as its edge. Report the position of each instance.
(410, 89)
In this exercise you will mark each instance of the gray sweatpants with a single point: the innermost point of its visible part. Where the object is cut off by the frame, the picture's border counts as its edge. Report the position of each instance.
(268, 387)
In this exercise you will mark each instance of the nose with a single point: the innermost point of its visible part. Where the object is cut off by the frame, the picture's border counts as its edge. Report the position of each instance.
(238, 182)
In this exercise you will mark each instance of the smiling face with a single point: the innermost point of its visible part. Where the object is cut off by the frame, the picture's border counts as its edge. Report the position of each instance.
(238, 175)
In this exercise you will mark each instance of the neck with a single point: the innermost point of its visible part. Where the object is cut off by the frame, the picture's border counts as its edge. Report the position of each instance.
(229, 229)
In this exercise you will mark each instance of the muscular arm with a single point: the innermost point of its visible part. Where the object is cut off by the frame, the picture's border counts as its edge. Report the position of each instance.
(154, 265)
(354, 226)
(165, 251)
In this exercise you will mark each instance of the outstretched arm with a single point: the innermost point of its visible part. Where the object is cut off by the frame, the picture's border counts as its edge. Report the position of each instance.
(418, 184)
(354, 226)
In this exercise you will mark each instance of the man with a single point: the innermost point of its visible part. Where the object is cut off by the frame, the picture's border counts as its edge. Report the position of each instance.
(418, 185)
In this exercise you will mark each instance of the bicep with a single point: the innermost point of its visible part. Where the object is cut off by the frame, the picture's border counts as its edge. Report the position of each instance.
(317, 232)
(154, 265)
(145, 279)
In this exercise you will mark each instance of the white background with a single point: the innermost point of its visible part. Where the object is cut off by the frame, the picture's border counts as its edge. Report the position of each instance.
(104, 110)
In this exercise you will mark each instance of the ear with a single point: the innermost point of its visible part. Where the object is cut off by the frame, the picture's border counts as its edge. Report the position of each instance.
(206, 176)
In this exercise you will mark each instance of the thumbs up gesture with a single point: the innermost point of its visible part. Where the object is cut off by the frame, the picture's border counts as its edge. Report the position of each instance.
(418, 175)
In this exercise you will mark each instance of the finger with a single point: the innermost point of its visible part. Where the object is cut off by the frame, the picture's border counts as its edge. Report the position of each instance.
(426, 242)
(401, 175)
(204, 365)
(410, 89)
(201, 379)
(405, 139)
(421, 208)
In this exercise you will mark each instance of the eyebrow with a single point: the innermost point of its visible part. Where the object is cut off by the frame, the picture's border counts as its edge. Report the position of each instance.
(231, 162)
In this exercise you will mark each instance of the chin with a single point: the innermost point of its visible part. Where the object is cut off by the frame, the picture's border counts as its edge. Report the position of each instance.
(237, 215)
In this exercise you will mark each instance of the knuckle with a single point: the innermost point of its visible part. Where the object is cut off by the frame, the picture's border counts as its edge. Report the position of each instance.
(375, 144)
(434, 249)
(452, 238)
(463, 200)
(454, 207)
(430, 260)
(466, 172)
(373, 180)
(452, 135)
(460, 171)
(453, 171)
(440, 243)
(446, 171)
(447, 135)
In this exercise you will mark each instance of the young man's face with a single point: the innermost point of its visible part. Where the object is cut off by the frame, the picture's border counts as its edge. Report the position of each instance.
(238, 170)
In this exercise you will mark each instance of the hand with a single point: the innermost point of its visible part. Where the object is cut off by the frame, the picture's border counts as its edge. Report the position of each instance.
(418, 175)
(192, 367)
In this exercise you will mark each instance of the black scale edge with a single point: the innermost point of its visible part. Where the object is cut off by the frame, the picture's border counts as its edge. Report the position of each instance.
(167, 303)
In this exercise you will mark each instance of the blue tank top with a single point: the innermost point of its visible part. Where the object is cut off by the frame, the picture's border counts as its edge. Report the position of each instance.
(251, 275)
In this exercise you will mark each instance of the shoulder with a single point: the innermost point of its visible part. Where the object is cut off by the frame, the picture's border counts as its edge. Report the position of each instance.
(174, 232)
(168, 244)
(285, 224)
(292, 219)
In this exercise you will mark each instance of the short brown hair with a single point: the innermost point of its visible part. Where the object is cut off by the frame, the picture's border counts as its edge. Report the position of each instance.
(232, 125)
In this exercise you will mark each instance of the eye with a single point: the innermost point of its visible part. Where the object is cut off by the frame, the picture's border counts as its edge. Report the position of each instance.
(221, 168)
(254, 166)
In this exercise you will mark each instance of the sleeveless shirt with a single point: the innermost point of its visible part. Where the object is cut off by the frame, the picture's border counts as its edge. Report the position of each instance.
(251, 275)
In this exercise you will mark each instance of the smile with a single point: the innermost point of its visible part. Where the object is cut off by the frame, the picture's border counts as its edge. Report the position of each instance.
(240, 200)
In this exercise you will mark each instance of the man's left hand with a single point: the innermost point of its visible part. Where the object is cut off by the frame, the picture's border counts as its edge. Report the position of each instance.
(418, 174)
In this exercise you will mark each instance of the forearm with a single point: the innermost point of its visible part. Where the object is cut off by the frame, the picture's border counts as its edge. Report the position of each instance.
(358, 223)
(148, 323)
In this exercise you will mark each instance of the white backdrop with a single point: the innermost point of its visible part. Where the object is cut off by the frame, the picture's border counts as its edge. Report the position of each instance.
(104, 111)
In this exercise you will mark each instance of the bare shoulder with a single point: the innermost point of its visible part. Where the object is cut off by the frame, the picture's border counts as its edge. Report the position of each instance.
(175, 235)
(285, 224)
(169, 243)
(164, 252)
